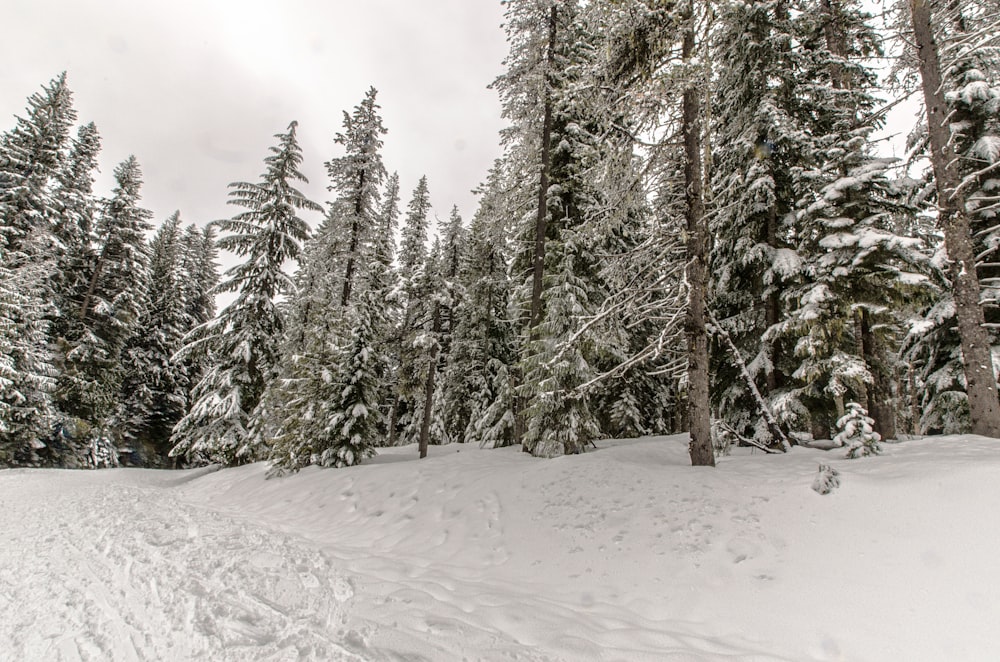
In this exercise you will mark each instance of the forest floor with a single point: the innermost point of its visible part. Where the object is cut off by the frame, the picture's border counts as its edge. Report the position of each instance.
(624, 553)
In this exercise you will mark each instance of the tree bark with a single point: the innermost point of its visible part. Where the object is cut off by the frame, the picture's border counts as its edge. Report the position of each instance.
(352, 248)
(541, 216)
(700, 448)
(984, 408)
(425, 422)
(880, 401)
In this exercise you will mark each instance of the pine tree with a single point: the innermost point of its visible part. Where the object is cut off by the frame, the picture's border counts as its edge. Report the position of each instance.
(155, 384)
(853, 259)
(31, 156)
(350, 250)
(760, 144)
(26, 373)
(91, 369)
(355, 178)
(478, 397)
(953, 212)
(243, 341)
(856, 433)
(74, 225)
(416, 290)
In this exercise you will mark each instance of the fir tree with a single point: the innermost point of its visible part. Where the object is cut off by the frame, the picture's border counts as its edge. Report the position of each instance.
(112, 306)
(155, 384)
(26, 373)
(243, 341)
(355, 179)
(31, 156)
(856, 433)
(477, 387)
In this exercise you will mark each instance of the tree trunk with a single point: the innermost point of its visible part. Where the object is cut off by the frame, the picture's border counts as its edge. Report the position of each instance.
(425, 422)
(700, 448)
(92, 286)
(541, 216)
(880, 401)
(355, 242)
(984, 408)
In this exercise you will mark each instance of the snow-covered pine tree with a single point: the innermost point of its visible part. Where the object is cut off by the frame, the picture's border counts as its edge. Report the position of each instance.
(841, 312)
(74, 224)
(355, 179)
(26, 373)
(31, 156)
(155, 384)
(944, 46)
(91, 370)
(759, 143)
(417, 309)
(967, 37)
(243, 341)
(855, 431)
(477, 387)
(552, 144)
(338, 264)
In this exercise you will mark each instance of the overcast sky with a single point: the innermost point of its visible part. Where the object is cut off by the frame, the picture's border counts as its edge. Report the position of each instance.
(197, 88)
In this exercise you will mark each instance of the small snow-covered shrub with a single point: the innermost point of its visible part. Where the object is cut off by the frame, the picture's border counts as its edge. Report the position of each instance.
(856, 432)
(826, 479)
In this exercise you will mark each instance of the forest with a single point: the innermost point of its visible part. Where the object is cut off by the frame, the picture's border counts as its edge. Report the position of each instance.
(694, 227)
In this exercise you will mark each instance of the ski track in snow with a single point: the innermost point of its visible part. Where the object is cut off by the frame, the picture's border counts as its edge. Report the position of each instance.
(626, 554)
(113, 570)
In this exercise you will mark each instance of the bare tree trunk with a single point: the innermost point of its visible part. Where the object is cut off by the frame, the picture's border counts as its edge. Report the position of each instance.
(984, 408)
(700, 448)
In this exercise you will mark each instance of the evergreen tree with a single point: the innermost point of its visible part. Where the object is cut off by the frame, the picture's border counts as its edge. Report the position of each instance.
(355, 179)
(930, 26)
(112, 306)
(243, 341)
(155, 384)
(856, 433)
(967, 68)
(76, 214)
(761, 144)
(477, 388)
(26, 374)
(348, 252)
(416, 290)
(31, 156)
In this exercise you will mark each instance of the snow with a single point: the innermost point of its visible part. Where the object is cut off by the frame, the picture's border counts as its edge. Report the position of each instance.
(623, 553)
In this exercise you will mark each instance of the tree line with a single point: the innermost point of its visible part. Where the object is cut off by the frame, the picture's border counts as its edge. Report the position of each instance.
(691, 228)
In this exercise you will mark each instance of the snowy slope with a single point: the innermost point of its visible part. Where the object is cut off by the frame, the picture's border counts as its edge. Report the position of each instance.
(626, 553)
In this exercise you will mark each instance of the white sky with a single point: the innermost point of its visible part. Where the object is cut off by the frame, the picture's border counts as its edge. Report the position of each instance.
(197, 88)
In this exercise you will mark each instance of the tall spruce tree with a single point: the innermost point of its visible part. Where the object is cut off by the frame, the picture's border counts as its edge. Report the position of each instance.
(32, 155)
(243, 341)
(155, 383)
(955, 55)
(111, 308)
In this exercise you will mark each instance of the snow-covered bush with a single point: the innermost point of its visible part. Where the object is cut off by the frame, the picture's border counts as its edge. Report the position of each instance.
(856, 433)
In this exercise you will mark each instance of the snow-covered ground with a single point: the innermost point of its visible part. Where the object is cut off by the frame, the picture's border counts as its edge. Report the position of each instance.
(625, 553)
